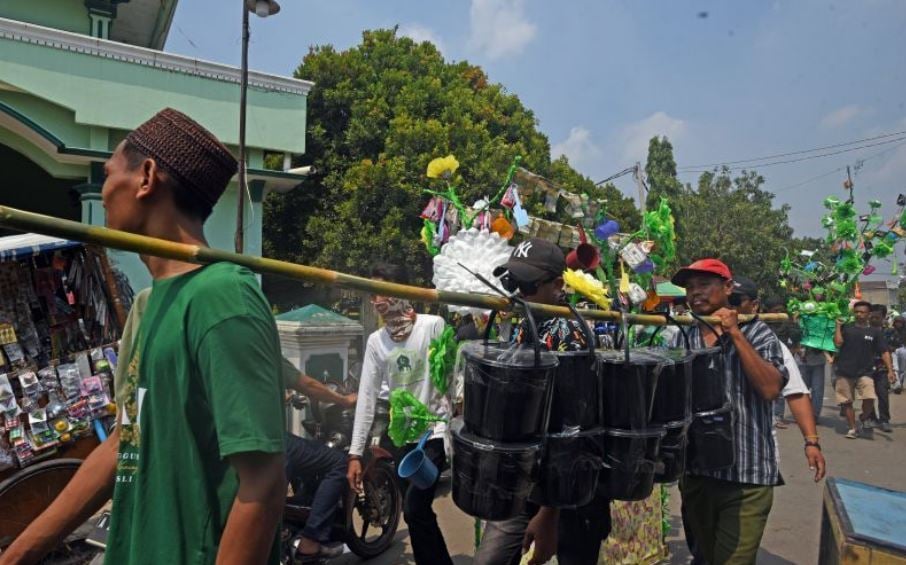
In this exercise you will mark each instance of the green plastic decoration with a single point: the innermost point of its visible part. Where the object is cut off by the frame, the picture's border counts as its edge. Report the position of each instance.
(881, 249)
(429, 230)
(850, 262)
(659, 226)
(409, 418)
(442, 358)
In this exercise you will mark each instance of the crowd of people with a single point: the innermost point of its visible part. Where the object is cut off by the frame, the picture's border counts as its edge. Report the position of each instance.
(197, 467)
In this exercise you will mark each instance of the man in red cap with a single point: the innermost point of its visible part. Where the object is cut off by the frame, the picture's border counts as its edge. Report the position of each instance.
(195, 465)
(725, 510)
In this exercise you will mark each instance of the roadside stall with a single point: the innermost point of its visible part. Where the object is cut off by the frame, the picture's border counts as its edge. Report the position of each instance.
(62, 309)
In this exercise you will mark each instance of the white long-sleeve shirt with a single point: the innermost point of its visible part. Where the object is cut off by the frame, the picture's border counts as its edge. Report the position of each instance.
(399, 364)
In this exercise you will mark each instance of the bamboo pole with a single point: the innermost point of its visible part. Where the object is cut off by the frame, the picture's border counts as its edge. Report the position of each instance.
(124, 241)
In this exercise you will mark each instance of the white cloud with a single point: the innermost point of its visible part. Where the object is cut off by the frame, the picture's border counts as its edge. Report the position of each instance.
(499, 28)
(634, 138)
(578, 147)
(420, 33)
(842, 116)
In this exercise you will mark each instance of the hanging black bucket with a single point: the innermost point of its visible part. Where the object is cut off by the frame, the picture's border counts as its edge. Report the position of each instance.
(507, 388)
(629, 463)
(628, 387)
(673, 396)
(711, 443)
(506, 391)
(570, 466)
(672, 454)
(491, 480)
(710, 389)
(576, 395)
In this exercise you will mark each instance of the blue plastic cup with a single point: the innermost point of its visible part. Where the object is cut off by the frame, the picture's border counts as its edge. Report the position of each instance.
(417, 468)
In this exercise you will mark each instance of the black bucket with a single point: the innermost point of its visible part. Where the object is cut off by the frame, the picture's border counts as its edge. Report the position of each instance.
(628, 389)
(672, 454)
(711, 443)
(492, 481)
(570, 466)
(673, 396)
(710, 389)
(576, 397)
(506, 393)
(629, 463)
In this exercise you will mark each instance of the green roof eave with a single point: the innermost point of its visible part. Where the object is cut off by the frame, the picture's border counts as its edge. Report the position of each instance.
(117, 86)
(314, 315)
(275, 179)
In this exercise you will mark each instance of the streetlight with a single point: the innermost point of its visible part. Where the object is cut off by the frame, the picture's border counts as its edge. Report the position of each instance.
(262, 9)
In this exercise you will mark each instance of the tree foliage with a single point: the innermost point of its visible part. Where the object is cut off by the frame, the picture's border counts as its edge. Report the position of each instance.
(734, 219)
(660, 170)
(378, 113)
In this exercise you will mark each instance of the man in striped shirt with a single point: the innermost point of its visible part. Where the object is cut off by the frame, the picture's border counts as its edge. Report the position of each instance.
(725, 510)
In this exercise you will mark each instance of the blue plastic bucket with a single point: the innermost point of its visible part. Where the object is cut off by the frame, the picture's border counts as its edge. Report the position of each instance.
(417, 468)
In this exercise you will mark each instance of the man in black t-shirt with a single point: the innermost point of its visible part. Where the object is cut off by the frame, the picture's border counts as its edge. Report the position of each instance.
(857, 345)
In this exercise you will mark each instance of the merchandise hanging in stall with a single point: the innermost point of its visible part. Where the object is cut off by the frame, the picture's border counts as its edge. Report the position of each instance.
(62, 309)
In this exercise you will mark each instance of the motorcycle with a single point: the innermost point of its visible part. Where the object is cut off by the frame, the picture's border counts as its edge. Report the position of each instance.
(366, 522)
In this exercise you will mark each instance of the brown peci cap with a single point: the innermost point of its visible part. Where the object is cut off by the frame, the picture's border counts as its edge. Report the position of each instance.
(183, 148)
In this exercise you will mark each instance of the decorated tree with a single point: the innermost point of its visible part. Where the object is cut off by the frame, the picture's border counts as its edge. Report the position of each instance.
(378, 113)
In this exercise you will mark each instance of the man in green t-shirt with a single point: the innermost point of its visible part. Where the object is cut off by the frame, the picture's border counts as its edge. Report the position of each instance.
(195, 465)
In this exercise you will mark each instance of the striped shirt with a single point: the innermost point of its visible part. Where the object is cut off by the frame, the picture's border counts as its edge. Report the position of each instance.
(756, 459)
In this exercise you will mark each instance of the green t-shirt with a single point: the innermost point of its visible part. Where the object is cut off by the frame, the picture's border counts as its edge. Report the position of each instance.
(203, 383)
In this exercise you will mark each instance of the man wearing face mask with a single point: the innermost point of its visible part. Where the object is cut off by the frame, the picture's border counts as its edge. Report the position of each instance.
(573, 535)
(398, 355)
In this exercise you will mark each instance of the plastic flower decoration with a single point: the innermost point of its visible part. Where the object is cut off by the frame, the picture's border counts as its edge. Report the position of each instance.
(588, 286)
(409, 418)
(480, 252)
(442, 167)
(442, 358)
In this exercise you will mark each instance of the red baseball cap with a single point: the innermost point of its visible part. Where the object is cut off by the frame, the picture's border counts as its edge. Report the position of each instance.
(702, 266)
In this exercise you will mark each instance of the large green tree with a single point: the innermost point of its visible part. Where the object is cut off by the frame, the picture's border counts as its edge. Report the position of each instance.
(660, 170)
(378, 113)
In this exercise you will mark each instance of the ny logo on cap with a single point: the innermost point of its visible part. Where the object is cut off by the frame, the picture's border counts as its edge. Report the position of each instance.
(522, 250)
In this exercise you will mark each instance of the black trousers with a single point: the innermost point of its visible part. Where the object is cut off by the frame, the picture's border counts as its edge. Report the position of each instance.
(428, 545)
(882, 390)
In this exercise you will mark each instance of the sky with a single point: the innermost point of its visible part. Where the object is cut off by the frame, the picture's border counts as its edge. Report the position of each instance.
(723, 81)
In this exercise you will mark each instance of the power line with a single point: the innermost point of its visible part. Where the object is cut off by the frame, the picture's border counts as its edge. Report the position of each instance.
(800, 159)
(625, 171)
(791, 153)
(838, 169)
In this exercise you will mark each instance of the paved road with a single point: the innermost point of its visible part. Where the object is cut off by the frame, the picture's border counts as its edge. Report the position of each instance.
(793, 528)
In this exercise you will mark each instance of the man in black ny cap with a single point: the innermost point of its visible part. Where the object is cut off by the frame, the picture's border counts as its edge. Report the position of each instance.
(536, 269)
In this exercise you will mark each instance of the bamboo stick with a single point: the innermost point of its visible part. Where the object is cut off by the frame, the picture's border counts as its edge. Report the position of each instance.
(124, 241)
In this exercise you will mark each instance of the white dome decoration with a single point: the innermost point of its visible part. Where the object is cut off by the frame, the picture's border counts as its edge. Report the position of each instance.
(480, 251)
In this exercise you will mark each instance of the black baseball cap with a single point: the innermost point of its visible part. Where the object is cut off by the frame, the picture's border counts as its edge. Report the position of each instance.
(534, 260)
(745, 286)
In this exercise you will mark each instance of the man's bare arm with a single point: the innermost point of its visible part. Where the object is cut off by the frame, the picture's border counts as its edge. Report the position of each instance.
(257, 510)
(317, 390)
(89, 489)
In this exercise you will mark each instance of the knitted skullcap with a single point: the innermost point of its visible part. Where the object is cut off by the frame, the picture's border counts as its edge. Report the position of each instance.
(187, 151)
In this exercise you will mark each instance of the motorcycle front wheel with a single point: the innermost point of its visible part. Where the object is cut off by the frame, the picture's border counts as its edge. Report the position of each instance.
(376, 512)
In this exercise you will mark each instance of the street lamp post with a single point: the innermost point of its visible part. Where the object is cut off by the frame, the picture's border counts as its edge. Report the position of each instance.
(263, 9)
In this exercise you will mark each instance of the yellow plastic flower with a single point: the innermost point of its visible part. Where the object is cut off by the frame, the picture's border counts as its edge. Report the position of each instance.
(442, 166)
(588, 286)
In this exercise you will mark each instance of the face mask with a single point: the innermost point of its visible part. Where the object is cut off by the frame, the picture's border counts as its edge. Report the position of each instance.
(398, 316)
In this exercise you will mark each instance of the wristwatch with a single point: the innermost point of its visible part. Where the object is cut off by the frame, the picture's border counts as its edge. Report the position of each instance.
(812, 443)
(354, 457)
